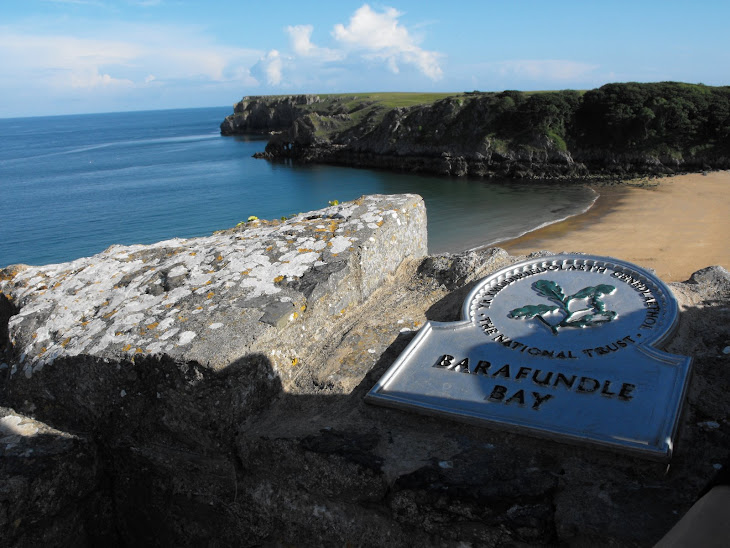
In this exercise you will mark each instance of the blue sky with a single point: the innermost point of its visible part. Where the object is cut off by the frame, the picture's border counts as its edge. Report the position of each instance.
(76, 56)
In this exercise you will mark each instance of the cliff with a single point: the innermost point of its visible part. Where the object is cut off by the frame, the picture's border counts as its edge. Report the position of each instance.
(211, 391)
(618, 130)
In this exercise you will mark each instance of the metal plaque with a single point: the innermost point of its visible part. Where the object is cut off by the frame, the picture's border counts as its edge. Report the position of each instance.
(562, 346)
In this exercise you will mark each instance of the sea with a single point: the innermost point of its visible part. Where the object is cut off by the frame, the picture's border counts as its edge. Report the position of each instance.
(71, 186)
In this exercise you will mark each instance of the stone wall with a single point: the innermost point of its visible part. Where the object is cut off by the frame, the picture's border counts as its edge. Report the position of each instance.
(210, 391)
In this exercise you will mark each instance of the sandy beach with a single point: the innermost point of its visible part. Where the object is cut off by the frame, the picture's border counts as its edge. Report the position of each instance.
(675, 228)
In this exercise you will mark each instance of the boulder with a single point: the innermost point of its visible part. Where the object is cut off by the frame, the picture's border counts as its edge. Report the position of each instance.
(48, 480)
(213, 390)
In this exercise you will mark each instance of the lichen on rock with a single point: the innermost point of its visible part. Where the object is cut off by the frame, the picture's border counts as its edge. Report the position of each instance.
(209, 299)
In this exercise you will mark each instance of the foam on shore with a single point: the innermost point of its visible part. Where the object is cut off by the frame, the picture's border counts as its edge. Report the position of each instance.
(540, 226)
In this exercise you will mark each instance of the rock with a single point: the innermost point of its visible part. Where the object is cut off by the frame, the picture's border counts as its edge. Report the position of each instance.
(48, 479)
(459, 135)
(202, 299)
(246, 424)
(263, 115)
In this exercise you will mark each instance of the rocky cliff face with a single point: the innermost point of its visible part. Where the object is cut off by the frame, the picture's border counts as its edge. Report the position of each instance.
(211, 391)
(262, 115)
(460, 135)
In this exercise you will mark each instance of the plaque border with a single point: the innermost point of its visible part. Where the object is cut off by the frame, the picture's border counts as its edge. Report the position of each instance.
(666, 327)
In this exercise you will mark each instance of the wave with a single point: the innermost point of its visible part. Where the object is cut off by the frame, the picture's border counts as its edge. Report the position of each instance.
(538, 227)
(112, 144)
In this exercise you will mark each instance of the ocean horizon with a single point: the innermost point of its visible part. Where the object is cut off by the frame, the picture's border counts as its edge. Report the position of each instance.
(75, 184)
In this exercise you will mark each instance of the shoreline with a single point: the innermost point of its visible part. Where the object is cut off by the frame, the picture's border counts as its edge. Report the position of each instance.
(546, 224)
(676, 227)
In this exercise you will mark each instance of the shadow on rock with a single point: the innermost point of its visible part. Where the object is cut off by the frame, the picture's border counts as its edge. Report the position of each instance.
(157, 452)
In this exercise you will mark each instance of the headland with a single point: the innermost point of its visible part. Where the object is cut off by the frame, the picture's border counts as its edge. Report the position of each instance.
(614, 132)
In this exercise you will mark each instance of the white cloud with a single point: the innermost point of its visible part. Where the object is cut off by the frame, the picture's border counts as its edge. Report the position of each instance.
(370, 36)
(300, 39)
(127, 57)
(381, 36)
(270, 66)
(92, 79)
(122, 65)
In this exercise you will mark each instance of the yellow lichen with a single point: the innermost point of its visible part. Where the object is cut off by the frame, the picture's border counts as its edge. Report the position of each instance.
(152, 325)
(294, 362)
(65, 342)
(126, 348)
(278, 279)
(210, 295)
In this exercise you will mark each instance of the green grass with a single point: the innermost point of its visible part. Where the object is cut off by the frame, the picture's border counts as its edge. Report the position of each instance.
(388, 99)
(359, 106)
(558, 140)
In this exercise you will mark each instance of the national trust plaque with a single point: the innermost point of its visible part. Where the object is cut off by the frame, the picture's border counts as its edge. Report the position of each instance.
(564, 346)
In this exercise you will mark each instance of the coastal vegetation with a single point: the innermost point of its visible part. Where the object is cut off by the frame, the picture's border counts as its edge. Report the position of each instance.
(618, 129)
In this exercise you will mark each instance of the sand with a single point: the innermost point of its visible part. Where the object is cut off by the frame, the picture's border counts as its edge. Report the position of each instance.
(675, 228)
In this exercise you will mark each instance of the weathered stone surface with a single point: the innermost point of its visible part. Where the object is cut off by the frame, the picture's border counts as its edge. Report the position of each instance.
(260, 436)
(211, 299)
(47, 480)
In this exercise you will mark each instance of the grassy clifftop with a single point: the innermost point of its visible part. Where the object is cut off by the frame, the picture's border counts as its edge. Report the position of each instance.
(629, 127)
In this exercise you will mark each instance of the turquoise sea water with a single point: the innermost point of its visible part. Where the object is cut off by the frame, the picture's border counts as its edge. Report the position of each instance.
(71, 186)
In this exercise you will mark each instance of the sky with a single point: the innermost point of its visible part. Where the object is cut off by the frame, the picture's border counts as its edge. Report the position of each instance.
(88, 56)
